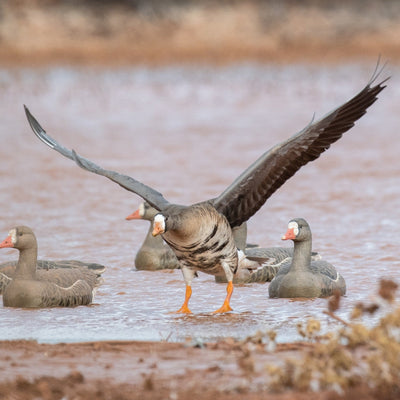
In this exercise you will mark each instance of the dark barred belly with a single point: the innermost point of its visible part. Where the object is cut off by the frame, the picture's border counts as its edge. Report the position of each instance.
(208, 256)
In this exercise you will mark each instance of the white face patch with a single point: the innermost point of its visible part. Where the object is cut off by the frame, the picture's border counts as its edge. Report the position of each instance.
(160, 220)
(141, 209)
(293, 225)
(13, 234)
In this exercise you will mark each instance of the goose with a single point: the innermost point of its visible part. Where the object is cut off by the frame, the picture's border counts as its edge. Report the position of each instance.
(201, 234)
(29, 288)
(302, 277)
(256, 264)
(155, 254)
(7, 269)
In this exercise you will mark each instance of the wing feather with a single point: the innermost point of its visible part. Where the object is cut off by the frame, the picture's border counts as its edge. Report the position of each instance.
(244, 197)
(153, 197)
(78, 294)
(4, 281)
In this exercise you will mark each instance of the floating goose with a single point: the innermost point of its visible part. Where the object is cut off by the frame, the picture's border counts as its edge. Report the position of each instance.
(7, 269)
(201, 234)
(300, 276)
(62, 287)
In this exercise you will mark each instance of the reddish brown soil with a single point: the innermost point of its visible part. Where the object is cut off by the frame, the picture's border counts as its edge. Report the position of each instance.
(151, 370)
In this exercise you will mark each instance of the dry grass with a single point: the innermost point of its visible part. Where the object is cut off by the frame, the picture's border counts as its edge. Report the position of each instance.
(352, 356)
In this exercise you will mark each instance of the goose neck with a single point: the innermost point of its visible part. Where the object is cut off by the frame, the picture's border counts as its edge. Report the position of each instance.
(26, 267)
(152, 241)
(302, 255)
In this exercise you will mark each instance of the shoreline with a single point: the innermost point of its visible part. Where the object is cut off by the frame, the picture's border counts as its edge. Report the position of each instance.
(156, 370)
(105, 57)
(67, 32)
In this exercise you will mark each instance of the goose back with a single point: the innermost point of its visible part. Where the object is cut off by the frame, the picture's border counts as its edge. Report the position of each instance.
(62, 272)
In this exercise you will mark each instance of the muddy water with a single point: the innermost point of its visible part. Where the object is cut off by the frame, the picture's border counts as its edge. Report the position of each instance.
(188, 132)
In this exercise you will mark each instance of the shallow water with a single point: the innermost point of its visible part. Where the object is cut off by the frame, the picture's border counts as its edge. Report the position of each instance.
(188, 132)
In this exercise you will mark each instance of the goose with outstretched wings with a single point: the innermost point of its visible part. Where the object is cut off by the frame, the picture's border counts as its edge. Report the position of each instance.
(201, 234)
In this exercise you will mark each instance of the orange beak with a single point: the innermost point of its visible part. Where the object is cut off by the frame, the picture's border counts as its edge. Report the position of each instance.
(135, 215)
(157, 229)
(7, 242)
(289, 234)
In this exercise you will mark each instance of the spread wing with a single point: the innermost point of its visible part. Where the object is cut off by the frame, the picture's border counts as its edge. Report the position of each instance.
(153, 197)
(244, 197)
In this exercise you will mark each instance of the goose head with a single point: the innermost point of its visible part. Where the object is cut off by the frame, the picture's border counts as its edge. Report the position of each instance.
(159, 225)
(181, 221)
(20, 238)
(298, 230)
(145, 211)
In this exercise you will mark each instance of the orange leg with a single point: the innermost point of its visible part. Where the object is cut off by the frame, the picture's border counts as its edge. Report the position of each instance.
(185, 309)
(226, 307)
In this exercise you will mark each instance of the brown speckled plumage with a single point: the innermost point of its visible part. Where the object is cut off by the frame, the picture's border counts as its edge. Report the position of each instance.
(259, 266)
(154, 254)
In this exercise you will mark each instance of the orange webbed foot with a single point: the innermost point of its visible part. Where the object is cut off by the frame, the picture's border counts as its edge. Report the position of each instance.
(225, 308)
(184, 310)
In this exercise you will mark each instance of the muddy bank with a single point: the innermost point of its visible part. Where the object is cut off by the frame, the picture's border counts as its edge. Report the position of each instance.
(155, 32)
(161, 370)
(156, 370)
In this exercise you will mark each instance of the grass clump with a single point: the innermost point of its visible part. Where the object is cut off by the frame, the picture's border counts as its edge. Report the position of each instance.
(354, 355)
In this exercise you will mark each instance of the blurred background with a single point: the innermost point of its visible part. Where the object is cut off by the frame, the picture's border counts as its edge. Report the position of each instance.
(116, 32)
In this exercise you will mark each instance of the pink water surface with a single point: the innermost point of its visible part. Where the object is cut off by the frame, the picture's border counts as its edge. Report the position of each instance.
(188, 132)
